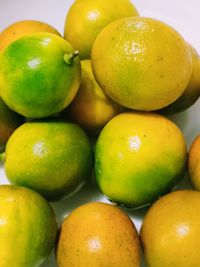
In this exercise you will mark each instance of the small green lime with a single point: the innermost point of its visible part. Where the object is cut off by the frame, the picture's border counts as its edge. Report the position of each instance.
(39, 75)
(49, 156)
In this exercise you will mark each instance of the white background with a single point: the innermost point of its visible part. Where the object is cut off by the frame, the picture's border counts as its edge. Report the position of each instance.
(182, 15)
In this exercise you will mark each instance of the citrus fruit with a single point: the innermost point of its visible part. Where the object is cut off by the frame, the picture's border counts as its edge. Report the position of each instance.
(86, 18)
(194, 163)
(9, 121)
(139, 157)
(22, 28)
(28, 227)
(98, 235)
(141, 63)
(39, 75)
(171, 229)
(91, 108)
(192, 91)
(51, 157)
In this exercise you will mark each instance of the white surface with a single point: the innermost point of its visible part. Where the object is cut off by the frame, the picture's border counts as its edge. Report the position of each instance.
(182, 15)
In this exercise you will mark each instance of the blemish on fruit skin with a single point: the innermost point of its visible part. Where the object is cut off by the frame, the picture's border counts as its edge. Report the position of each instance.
(160, 58)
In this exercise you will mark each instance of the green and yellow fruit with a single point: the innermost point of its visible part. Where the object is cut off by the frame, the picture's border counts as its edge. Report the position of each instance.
(51, 157)
(39, 75)
(27, 227)
(138, 158)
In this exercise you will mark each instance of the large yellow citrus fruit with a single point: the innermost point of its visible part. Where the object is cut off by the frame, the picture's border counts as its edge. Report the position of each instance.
(194, 163)
(98, 235)
(171, 229)
(141, 63)
(39, 75)
(22, 28)
(49, 156)
(91, 108)
(27, 227)
(138, 158)
(86, 18)
(192, 91)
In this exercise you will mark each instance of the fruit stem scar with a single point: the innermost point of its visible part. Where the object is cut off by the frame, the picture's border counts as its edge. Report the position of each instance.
(68, 58)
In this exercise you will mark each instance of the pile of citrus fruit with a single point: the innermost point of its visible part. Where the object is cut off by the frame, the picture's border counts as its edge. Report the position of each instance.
(91, 106)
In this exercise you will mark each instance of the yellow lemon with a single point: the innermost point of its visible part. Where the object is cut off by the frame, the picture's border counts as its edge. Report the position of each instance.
(138, 158)
(91, 108)
(86, 18)
(22, 28)
(98, 235)
(141, 63)
(171, 229)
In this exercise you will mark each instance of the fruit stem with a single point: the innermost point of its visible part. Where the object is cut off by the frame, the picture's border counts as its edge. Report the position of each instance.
(68, 58)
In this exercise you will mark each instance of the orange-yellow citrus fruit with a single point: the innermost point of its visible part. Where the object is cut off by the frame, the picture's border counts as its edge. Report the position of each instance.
(98, 235)
(171, 229)
(141, 63)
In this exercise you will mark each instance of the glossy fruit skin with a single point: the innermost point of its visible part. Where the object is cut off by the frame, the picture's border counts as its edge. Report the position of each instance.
(192, 91)
(86, 18)
(28, 227)
(136, 68)
(171, 229)
(139, 157)
(35, 80)
(9, 121)
(91, 108)
(51, 157)
(98, 235)
(194, 163)
(22, 28)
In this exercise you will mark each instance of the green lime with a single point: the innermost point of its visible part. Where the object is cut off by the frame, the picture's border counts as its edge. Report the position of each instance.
(51, 157)
(139, 157)
(39, 75)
